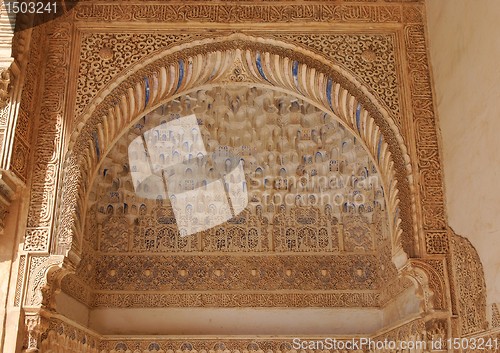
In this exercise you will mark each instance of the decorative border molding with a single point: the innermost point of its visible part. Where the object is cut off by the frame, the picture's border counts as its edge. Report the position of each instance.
(228, 300)
(240, 13)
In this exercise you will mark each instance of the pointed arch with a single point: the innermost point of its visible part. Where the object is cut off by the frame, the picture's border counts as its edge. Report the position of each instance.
(236, 59)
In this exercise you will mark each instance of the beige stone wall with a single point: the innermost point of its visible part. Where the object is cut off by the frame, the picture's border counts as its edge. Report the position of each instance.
(465, 52)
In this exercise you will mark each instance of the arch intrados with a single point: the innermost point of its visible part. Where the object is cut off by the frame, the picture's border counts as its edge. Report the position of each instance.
(164, 101)
(151, 108)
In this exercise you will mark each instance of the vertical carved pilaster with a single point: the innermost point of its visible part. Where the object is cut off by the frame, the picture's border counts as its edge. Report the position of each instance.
(45, 171)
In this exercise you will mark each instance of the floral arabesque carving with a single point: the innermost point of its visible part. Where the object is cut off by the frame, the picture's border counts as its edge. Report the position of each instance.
(429, 276)
(204, 272)
(369, 57)
(37, 285)
(105, 55)
(411, 331)
(495, 315)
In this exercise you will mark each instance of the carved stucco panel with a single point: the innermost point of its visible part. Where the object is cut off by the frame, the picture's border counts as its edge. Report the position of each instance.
(242, 13)
(470, 286)
(204, 272)
(368, 56)
(428, 158)
(47, 155)
(104, 55)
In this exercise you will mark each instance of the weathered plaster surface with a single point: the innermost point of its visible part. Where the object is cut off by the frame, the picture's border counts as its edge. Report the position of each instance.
(465, 47)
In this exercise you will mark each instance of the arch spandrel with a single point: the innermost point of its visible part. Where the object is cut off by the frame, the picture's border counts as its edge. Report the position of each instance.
(174, 72)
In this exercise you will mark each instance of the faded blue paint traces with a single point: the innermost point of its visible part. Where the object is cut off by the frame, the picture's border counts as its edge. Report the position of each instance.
(259, 67)
(181, 74)
(147, 91)
(396, 216)
(329, 85)
(379, 147)
(295, 73)
(358, 115)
